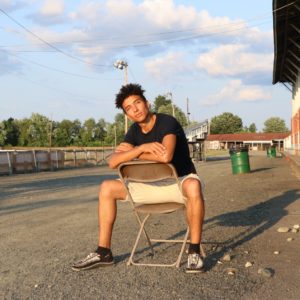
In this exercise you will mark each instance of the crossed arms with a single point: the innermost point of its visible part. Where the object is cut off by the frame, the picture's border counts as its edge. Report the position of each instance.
(162, 152)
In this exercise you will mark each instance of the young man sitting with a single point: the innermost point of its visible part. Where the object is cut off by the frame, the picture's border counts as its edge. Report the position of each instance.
(156, 137)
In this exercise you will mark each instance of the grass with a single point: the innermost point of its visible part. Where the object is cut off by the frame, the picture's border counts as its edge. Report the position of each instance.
(212, 153)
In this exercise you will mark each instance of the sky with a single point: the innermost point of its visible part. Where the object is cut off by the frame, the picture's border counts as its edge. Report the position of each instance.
(57, 57)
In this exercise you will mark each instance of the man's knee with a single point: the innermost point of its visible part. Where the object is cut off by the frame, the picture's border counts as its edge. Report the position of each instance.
(107, 187)
(112, 189)
(192, 188)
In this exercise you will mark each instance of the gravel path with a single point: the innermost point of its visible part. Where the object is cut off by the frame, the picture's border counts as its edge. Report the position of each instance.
(48, 220)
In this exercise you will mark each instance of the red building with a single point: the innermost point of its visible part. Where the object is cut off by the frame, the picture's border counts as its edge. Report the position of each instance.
(254, 141)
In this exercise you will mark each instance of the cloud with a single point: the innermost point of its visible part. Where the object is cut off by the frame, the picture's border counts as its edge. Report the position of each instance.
(50, 13)
(235, 91)
(114, 28)
(52, 8)
(234, 61)
(161, 25)
(11, 5)
(122, 8)
(155, 11)
(89, 13)
(167, 67)
(8, 64)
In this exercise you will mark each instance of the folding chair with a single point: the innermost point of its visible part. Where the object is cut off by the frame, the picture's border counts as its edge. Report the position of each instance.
(150, 172)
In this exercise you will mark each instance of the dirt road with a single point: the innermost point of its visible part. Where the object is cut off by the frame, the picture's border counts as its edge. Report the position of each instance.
(48, 220)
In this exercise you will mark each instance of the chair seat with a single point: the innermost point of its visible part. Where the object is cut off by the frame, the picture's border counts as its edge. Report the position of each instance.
(159, 208)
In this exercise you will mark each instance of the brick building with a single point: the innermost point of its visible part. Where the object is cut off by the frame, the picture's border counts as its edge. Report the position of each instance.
(254, 141)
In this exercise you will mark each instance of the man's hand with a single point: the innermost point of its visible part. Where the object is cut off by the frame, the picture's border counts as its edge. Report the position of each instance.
(155, 148)
(123, 147)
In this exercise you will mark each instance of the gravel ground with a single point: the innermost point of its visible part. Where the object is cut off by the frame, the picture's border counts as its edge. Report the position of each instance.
(49, 220)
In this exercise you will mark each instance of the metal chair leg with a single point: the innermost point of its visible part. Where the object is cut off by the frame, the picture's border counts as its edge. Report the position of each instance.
(138, 238)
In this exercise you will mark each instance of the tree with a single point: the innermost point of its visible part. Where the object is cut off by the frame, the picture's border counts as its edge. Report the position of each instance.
(87, 132)
(2, 134)
(115, 131)
(23, 125)
(63, 133)
(226, 123)
(275, 124)
(12, 132)
(100, 131)
(161, 101)
(179, 114)
(164, 105)
(252, 127)
(38, 132)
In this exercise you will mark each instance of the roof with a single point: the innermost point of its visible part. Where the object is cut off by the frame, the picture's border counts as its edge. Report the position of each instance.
(195, 126)
(286, 24)
(241, 137)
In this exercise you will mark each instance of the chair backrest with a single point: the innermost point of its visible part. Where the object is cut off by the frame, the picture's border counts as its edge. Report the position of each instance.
(147, 171)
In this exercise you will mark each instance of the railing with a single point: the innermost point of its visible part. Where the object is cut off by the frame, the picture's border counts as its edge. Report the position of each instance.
(23, 161)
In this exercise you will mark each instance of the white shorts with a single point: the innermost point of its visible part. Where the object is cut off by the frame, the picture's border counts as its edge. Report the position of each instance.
(163, 191)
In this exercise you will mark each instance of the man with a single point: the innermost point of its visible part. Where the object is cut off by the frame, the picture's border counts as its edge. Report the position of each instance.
(157, 137)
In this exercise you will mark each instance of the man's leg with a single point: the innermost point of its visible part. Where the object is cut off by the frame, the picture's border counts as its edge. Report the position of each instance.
(110, 191)
(191, 189)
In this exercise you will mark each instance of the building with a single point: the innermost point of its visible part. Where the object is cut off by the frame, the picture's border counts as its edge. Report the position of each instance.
(196, 135)
(286, 70)
(254, 141)
(196, 132)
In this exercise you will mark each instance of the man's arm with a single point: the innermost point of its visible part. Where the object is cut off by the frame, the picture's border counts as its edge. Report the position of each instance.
(126, 152)
(169, 143)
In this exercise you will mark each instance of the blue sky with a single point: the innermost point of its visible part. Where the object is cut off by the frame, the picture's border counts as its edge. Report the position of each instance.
(56, 57)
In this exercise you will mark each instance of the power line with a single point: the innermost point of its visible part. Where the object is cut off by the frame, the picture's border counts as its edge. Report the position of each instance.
(147, 43)
(47, 43)
(51, 68)
(62, 91)
(195, 29)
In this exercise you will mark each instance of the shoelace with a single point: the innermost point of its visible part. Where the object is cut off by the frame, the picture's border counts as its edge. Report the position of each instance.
(194, 260)
(91, 255)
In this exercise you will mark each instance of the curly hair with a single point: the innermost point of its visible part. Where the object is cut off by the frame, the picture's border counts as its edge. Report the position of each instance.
(129, 90)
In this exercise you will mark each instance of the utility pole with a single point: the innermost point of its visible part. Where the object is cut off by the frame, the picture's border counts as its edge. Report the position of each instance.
(187, 110)
(50, 133)
(115, 131)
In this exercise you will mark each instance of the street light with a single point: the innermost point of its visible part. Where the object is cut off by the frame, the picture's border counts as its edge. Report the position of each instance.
(123, 65)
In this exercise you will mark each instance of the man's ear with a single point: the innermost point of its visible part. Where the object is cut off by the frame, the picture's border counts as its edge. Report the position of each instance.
(149, 104)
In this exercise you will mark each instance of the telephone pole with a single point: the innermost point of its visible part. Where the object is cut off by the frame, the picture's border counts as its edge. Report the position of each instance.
(187, 110)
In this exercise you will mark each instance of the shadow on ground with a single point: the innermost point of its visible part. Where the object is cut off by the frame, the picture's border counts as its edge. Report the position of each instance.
(255, 219)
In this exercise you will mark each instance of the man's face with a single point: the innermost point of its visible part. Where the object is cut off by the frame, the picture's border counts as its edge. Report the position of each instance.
(136, 108)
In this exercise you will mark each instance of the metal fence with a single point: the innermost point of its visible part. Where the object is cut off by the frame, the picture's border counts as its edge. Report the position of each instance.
(23, 161)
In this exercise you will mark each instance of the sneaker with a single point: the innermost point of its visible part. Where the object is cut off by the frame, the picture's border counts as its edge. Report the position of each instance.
(93, 260)
(194, 264)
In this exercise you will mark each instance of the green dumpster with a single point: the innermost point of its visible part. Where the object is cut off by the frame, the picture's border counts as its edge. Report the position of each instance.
(239, 160)
(271, 151)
